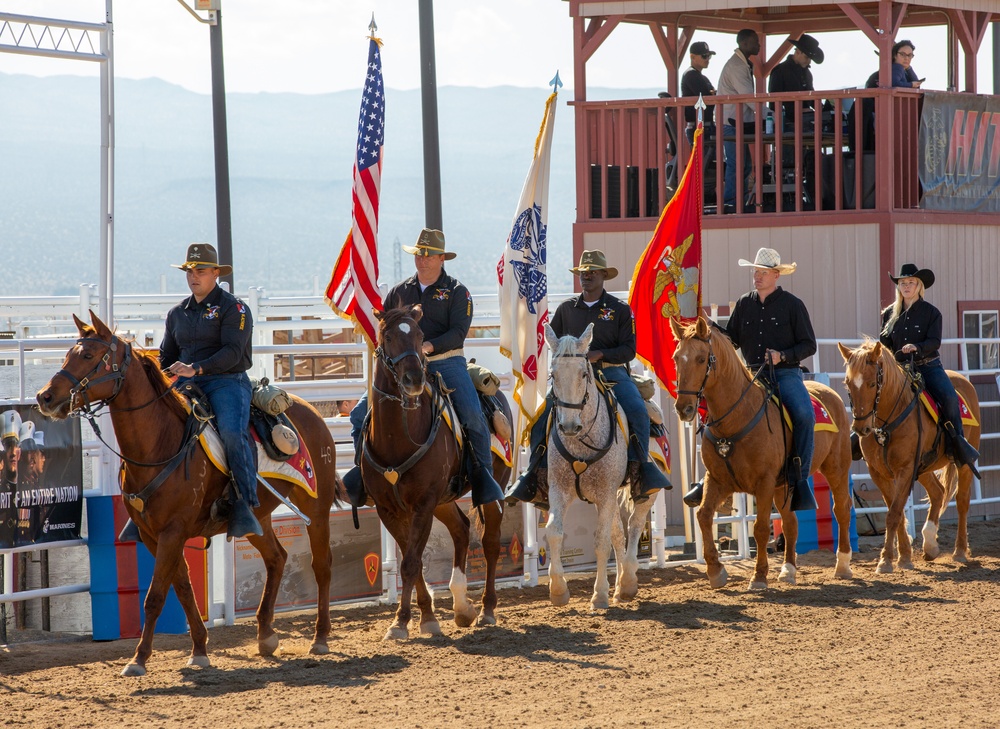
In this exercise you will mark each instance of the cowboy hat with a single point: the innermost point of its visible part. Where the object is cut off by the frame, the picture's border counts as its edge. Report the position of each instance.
(769, 259)
(595, 261)
(910, 270)
(203, 255)
(430, 242)
(810, 46)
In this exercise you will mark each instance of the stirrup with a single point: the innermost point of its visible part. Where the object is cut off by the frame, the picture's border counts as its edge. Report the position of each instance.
(130, 532)
(695, 495)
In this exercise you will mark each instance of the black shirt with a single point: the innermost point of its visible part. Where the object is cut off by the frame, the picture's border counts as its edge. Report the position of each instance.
(790, 76)
(614, 327)
(920, 325)
(780, 323)
(213, 335)
(693, 83)
(447, 307)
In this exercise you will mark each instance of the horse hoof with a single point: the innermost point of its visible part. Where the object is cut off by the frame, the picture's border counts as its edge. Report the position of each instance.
(718, 580)
(396, 633)
(319, 649)
(431, 627)
(843, 570)
(267, 646)
(483, 620)
(962, 557)
(199, 661)
(465, 619)
(884, 568)
(905, 565)
(757, 586)
(599, 604)
(134, 669)
(559, 598)
(787, 574)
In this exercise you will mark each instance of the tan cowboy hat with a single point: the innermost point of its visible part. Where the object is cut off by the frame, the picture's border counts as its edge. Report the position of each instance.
(910, 270)
(769, 259)
(203, 255)
(595, 261)
(430, 242)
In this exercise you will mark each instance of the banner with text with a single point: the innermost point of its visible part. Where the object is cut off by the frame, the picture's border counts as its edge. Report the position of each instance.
(41, 478)
(959, 162)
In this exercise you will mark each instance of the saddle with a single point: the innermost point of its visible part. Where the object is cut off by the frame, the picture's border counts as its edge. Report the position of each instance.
(823, 419)
(931, 406)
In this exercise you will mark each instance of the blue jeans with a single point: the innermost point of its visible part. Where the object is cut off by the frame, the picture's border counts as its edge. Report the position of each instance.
(943, 391)
(467, 407)
(795, 398)
(729, 155)
(229, 396)
(631, 402)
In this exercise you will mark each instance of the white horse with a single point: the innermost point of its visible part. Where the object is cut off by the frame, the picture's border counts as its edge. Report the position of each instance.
(588, 458)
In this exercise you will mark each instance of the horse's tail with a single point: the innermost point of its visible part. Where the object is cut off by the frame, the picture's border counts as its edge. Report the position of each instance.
(339, 491)
(950, 485)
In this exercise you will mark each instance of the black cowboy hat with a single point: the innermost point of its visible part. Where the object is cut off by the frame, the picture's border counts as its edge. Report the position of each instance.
(910, 270)
(810, 46)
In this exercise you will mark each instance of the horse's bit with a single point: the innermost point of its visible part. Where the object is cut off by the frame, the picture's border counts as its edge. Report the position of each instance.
(115, 373)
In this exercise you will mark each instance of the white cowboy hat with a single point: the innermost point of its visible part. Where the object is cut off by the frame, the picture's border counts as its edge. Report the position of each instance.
(768, 258)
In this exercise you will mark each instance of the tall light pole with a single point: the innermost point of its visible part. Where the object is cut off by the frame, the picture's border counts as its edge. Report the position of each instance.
(428, 88)
(223, 209)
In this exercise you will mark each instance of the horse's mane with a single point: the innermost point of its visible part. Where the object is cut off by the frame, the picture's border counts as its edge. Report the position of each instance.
(151, 364)
(889, 364)
(726, 359)
(565, 345)
(392, 317)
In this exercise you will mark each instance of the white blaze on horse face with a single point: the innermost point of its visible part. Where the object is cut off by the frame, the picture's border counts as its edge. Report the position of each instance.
(858, 381)
(404, 327)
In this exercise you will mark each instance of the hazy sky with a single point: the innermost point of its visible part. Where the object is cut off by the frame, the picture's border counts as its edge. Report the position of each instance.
(317, 46)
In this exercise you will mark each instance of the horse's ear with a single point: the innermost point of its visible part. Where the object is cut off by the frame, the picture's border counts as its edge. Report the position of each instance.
(702, 329)
(587, 337)
(877, 351)
(845, 352)
(675, 327)
(80, 325)
(99, 326)
(416, 311)
(551, 338)
(378, 314)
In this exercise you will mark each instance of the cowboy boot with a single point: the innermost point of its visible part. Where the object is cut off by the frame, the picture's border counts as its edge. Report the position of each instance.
(242, 522)
(646, 479)
(526, 486)
(354, 485)
(802, 494)
(856, 454)
(962, 450)
(130, 532)
(695, 495)
(485, 489)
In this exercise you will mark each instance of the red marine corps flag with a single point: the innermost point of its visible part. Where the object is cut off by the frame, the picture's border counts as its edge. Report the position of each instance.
(666, 282)
(353, 290)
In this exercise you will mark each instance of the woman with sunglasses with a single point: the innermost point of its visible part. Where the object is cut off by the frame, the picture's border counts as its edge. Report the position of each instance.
(903, 75)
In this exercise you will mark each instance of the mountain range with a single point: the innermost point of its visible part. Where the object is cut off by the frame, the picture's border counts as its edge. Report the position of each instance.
(290, 161)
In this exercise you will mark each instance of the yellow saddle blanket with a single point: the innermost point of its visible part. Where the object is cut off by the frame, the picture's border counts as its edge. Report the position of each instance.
(963, 407)
(823, 419)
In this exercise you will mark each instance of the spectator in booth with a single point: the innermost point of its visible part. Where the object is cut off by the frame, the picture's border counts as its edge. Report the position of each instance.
(793, 74)
(903, 75)
(737, 79)
(695, 83)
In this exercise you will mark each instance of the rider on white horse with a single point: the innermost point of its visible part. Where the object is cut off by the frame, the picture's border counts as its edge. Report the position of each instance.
(611, 351)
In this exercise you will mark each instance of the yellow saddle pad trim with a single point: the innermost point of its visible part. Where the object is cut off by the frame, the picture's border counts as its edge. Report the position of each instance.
(967, 417)
(817, 405)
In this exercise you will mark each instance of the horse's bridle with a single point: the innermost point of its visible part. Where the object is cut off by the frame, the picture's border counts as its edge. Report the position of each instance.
(115, 372)
(408, 402)
(586, 396)
(708, 370)
(879, 381)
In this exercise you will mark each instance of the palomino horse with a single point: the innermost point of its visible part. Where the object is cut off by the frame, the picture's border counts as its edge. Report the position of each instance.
(744, 448)
(588, 457)
(411, 466)
(901, 444)
(149, 422)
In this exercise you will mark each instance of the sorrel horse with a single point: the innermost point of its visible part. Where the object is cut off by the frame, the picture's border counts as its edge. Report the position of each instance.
(901, 444)
(149, 422)
(411, 466)
(744, 448)
(588, 458)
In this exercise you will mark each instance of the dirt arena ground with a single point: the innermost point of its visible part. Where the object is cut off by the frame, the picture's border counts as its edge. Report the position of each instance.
(911, 649)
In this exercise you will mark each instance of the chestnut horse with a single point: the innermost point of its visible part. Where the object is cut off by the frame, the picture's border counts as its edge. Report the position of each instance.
(744, 448)
(901, 443)
(411, 469)
(149, 422)
(588, 455)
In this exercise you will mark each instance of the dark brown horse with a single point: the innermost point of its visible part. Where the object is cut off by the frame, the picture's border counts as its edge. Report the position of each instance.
(901, 443)
(410, 470)
(149, 423)
(744, 448)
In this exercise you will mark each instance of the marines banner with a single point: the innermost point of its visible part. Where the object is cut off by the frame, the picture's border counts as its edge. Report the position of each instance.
(524, 303)
(959, 152)
(41, 478)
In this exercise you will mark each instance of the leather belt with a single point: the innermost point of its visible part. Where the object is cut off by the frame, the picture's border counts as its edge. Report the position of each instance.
(606, 365)
(446, 355)
(926, 360)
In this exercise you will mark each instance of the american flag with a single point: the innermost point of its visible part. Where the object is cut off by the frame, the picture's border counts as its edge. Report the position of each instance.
(353, 290)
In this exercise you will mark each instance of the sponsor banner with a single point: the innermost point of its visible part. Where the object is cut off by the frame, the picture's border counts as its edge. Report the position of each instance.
(357, 563)
(41, 478)
(959, 149)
